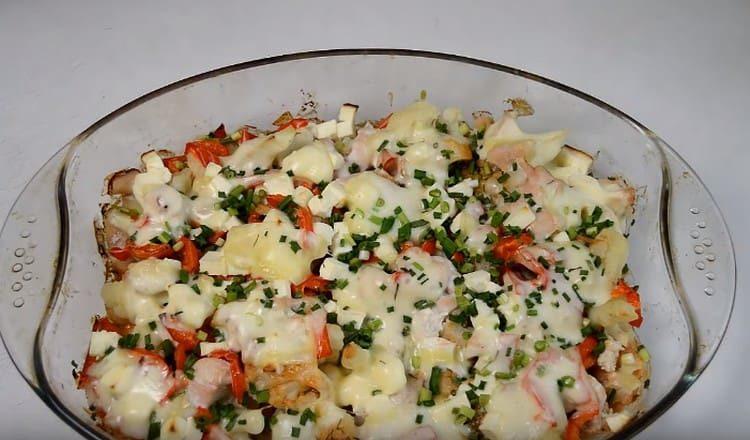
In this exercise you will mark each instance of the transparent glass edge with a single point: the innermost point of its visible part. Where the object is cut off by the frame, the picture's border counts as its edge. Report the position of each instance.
(697, 363)
(51, 167)
(703, 359)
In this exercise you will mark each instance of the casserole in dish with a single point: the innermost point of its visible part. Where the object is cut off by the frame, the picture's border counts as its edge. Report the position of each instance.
(680, 249)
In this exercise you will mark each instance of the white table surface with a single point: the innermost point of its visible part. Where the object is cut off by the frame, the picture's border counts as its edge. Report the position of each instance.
(683, 68)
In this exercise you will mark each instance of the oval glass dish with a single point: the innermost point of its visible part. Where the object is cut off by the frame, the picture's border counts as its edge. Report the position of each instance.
(681, 251)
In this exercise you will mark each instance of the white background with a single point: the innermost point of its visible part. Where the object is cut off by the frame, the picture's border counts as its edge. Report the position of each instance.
(682, 68)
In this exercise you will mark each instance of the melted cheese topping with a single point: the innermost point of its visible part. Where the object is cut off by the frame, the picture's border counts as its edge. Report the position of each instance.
(150, 277)
(261, 152)
(191, 307)
(515, 414)
(263, 334)
(258, 249)
(129, 387)
(432, 298)
(162, 205)
(538, 149)
(206, 191)
(316, 162)
(124, 302)
(370, 196)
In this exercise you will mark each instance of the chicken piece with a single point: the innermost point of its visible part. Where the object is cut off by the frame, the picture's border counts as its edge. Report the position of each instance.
(210, 383)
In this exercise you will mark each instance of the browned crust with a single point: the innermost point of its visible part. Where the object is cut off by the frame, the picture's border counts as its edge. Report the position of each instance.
(121, 182)
(294, 386)
(461, 151)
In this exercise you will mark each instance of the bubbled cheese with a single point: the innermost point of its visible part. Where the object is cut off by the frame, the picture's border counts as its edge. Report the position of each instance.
(277, 182)
(316, 162)
(162, 205)
(125, 303)
(286, 424)
(254, 422)
(369, 195)
(243, 322)
(414, 117)
(156, 175)
(513, 413)
(128, 389)
(152, 276)
(260, 153)
(206, 190)
(190, 307)
(538, 148)
(101, 341)
(592, 286)
(179, 428)
(257, 249)
(383, 372)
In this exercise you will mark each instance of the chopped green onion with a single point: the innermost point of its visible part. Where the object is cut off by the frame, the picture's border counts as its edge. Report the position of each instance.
(505, 376)
(262, 396)
(565, 382)
(425, 398)
(307, 415)
(129, 341)
(423, 304)
(434, 382)
(154, 430)
(540, 346)
(387, 224)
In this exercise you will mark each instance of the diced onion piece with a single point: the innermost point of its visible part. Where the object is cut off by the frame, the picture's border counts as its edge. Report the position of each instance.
(325, 130)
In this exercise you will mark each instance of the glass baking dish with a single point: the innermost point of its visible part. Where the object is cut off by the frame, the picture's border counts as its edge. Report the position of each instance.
(681, 251)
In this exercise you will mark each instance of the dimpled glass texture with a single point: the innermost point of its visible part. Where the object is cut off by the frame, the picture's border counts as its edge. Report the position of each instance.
(681, 253)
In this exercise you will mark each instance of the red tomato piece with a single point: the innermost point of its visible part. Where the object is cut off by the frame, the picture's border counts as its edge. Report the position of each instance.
(175, 164)
(246, 135)
(576, 422)
(122, 254)
(383, 122)
(312, 285)
(586, 350)
(151, 250)
(207, 151)
(304, 219)
(190, 255)
(429, 246)
(295, 123)
(275, 199)
(507, 247)
(323, 344)
(623, 290)
(235, 368)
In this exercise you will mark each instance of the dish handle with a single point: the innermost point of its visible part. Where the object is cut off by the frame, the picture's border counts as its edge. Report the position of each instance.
(29, 243)
(704, 265)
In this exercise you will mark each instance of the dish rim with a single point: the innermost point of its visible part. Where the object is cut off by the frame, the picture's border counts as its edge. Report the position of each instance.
(689, 373)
